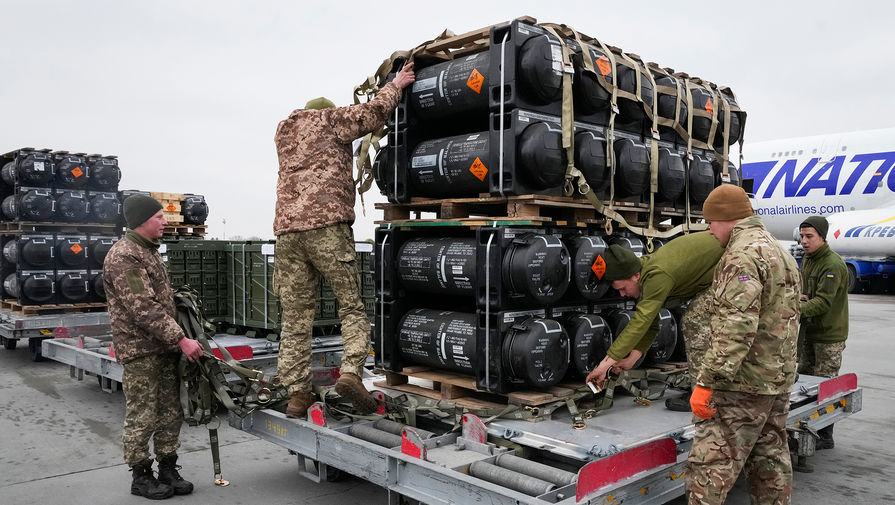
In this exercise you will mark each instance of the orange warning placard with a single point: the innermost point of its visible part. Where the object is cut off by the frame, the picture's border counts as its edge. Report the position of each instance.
(171, 208)
(709, 106)
(475, 81)
(604, 65)
(599, 267)
(76, 249)
(77, 172)
(478, 169)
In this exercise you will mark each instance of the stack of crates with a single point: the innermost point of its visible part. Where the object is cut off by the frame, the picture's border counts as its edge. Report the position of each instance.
(202, 266)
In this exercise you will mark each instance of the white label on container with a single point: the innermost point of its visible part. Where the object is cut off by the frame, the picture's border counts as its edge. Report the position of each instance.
(363, 247)
(556, 52)
(473, 137)
(424, 161)
(474, 56)
(162, 249)
(267, 249)
(39, 166)
(522, 30)
(424, 84)
(270, 259)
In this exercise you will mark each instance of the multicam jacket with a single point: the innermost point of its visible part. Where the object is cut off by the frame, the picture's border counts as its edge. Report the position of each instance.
(755, 324)
(315, 187)
(678, 271)
(141, 302)
(825, 281)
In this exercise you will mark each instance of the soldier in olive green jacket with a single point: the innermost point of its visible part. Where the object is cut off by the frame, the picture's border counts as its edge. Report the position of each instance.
(824, 309)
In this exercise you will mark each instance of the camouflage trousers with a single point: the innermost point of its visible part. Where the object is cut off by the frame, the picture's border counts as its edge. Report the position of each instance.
(151, 406)
(747, 432)
(301, 257)
(821, 360)
(696, 330)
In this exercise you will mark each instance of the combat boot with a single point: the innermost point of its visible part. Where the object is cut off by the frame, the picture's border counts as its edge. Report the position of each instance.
(350, 386)
(145, 484)
(826, 439)
(679, 404)
(168, 474)
(299, 402)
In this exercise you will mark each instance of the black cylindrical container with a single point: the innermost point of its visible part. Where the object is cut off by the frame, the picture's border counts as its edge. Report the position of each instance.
(438, 265)
(537, 267)
(635, 244)
(104, 174)
(98, 248)
(731, 171)
(536, 351)
(627, 81)
(540, 82)
(632, 170)
(30, 205)
(71, 253)
(672, 174)
(590, 96)
(451, 89)
(104, 207)
(736, 126)
(98, 287)
(618, 320)
(702, 179)
(71, 171)
(71, 206)
(667, 102)
(33, 169)
(33, 252)
(590, 158)
(11, 252)
(590, 338)
(702, 100)
(588, 266)
(72, 287)
(194, 209)
(38, 287)
(450, 166)
(657, 244)
(442, 339)
(540, 157)
(666, 340)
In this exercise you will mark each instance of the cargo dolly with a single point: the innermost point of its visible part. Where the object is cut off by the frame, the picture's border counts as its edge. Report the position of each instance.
(36, 328)
(630, 453)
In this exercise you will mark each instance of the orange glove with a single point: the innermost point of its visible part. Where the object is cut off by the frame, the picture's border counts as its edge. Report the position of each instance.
(699, 402)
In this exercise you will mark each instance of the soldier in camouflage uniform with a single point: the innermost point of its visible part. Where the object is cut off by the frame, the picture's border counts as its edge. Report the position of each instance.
(680, 270)
(741, 396)
(148, 343)
(314, 213)
(824, 309)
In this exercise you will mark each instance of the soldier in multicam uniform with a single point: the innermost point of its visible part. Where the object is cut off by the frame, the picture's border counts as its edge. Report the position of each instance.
(314, 213)
(679, 271)
(148, 343)
(824, 309)
(741, 396)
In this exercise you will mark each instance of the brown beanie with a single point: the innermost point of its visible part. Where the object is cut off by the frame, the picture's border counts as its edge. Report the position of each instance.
(727, 203)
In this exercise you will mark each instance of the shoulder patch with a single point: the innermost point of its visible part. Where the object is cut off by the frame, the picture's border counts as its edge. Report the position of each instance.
(743, 278)
(134, 281)
(831, 275)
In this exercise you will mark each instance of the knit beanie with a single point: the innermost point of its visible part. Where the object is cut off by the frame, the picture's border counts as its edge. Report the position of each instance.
(727, 203)
(139, 208)
(621, 263)
(819, 223)
(320, 103)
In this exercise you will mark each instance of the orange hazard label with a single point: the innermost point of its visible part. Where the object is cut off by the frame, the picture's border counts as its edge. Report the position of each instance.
(171, 207)
(475, 81)
(599, 267)
(604, 65)
(76, 249)
(478, 169)
(77, 172)
(709, 106)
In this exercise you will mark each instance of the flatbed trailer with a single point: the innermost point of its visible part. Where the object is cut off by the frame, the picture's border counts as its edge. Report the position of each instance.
(15, 326)
(630, 453)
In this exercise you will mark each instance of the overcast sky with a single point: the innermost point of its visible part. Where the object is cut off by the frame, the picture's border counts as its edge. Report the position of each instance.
(188, 94)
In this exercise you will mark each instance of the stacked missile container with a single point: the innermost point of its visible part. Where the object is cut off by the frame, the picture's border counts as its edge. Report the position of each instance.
(526, 307)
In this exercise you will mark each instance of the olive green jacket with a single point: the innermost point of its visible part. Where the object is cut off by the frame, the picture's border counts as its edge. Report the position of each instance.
(825, 281)
(678, 271)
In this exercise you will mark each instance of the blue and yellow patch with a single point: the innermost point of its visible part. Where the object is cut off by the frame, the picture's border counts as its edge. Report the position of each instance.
(830, 275)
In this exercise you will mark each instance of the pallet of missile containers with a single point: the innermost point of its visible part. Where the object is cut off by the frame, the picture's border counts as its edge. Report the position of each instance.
(170, 205)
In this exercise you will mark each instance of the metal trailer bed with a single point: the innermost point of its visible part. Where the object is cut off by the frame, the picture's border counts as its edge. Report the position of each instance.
(628, 454)
(36, 328)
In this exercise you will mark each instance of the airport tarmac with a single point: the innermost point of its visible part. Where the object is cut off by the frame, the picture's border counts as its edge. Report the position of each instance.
(60, 440)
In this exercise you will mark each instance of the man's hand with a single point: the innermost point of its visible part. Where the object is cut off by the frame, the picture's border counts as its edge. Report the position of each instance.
(405, 77)
(598, 375)
(191, 348)
(699, 402)
(804, 298)
(627, 363)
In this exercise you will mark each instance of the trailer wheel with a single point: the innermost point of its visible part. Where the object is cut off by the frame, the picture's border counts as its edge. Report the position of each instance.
(9, 343)
(34, 347)
(853, 285)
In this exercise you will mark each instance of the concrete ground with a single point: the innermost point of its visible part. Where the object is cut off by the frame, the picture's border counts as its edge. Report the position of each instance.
(60, 440)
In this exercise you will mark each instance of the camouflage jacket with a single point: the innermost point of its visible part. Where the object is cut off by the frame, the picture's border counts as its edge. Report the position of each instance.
(825, 281)
(315, 187)
(755, 322)
(678, 271)
(141, 302)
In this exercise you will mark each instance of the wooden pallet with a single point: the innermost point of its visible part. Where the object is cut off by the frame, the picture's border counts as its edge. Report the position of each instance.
(461, 389)
(14, 227)
(532, 209)
(177, 197)
(64, 308)
(185, 230)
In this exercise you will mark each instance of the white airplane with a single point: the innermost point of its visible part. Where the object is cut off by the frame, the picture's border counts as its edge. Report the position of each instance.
(848, 178)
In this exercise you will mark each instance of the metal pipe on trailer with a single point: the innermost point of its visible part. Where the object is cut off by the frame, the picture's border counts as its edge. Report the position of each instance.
(536, 470)
(514, 480)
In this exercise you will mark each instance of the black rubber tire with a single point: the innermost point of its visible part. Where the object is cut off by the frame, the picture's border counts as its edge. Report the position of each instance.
(34, 347)
(853, 285)
(10, 344)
